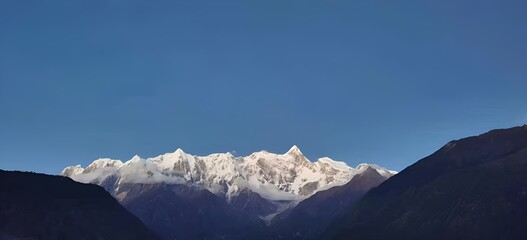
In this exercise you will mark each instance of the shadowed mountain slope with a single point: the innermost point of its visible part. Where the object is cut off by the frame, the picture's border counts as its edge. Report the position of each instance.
(194, 212)
(310, 218)
(38, 206)
(473, 188)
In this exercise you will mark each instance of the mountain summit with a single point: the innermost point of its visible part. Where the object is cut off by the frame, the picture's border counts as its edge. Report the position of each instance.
(294, 150)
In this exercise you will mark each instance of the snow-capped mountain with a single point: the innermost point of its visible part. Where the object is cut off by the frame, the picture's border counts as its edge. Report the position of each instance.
(276, 177)
(183, 196)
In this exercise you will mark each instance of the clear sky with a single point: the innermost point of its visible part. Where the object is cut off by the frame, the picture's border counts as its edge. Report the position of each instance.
(384, 82)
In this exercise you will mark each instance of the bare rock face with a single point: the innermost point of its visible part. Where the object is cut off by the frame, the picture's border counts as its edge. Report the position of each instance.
(308, 189)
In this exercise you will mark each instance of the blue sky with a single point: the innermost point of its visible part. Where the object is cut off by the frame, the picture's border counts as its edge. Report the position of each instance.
(384, 82)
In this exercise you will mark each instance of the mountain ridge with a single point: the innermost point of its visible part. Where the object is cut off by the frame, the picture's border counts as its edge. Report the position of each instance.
(471, 188)
(288, 176)
(40, 206)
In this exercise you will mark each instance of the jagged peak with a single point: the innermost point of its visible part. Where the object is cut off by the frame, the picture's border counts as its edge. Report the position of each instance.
(178, 154)
(72, 170)
(294, 150)
(363, 165)
(105, 162)
(136, 158)
(368, 168)
(381, 170)
(180, 151)
(251, 171)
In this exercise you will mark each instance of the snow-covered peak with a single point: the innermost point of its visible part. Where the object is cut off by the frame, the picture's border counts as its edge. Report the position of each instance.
(175, 161)
(273, 176)
(382, 171)
(132, 161)
(179, 151)
(72, 170)
(102, 163)
(335, 164)
(362, 166)
(294, 150)
(226, 155)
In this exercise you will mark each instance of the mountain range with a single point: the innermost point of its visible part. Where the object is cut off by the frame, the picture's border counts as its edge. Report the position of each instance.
(471, 188)
(288, 177)
(179, 195)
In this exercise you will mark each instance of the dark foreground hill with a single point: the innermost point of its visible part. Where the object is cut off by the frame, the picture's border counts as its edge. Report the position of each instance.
(473, 188)
(38, 206)
(310, 218)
